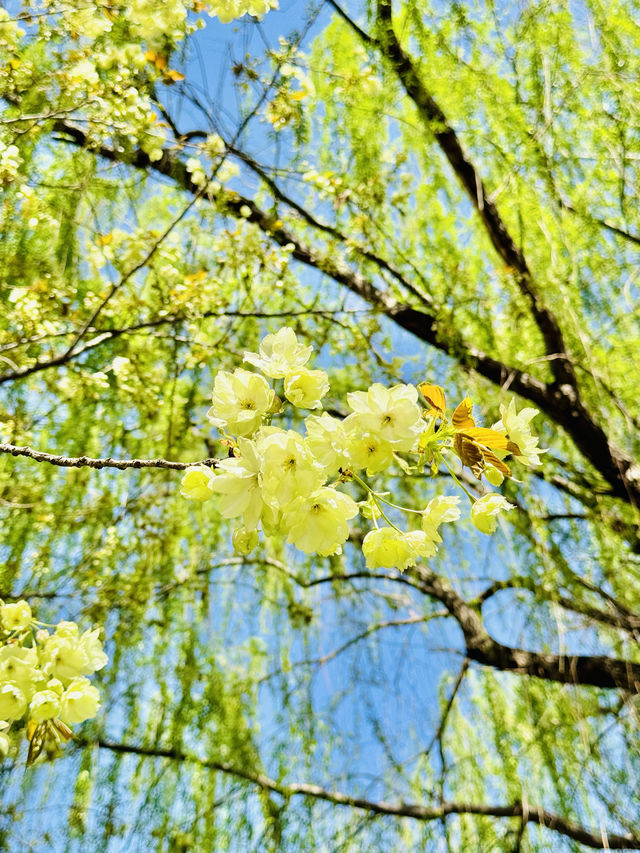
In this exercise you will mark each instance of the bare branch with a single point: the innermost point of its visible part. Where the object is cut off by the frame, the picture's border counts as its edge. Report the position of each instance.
(118, 285)
(108, 462)
(447, 709)
(469, 177)
(527, 812)
(583, 670)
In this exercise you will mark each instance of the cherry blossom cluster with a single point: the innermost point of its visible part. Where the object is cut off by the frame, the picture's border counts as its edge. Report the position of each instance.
(103, 61)
(43, 678)
(284, 482)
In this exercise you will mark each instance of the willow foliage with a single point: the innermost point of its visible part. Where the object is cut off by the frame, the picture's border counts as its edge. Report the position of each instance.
(426, 193)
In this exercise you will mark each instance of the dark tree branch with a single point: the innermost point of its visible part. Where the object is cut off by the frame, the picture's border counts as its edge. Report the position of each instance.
(420, 323)
(580, 670)
(528, 812)
(608, 226)
(569, 411)
(559, 402)
(332, 231)
(470, 178)
(616, 617)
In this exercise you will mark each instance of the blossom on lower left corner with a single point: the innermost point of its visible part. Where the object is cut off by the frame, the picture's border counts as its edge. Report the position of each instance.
(44, 679)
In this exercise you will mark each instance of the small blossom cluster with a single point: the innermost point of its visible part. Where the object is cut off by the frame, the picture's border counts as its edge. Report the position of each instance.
(43, 677)
(103, 62)
(229, 10)
(10, 162)
(284, 482)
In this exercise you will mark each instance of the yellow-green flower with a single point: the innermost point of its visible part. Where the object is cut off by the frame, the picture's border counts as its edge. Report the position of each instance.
(197, 483)
(306, 388)
(485, 511)
(15, 616)
(280, 354)
(367, 450)
(65, 658)
(240, 401)
(91, 644)
(80, 701)
(392, 414)
(288, 469)
(317, 524)
(439, 510)
(13, 702)
(19, 666)
(516, 426)
(387, 548)
(244, 541)
(327, 441)
(44, 705)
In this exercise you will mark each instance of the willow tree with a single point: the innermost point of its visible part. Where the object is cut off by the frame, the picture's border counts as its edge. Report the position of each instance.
(428, 194)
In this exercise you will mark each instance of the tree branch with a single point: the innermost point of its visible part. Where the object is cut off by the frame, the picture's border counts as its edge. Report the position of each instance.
(617, 617)
(108, 462)
(447, 709)
(527, 812)
(435, 119)
(580, 670)
(559, 402)
(332, 231)
(569, 411)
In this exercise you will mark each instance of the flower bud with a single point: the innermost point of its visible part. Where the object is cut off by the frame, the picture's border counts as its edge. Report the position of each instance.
(493, 476)
(244, 541)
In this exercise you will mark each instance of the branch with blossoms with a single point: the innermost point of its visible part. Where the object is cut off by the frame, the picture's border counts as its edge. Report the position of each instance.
(43, 680)
(279, 482)
(559, 402)
(282, 482)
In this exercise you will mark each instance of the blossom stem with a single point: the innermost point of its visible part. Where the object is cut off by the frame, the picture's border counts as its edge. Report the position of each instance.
(396, 506)
(377, 500)
(464, 489)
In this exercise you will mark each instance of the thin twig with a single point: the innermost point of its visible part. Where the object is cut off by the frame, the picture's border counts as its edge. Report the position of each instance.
(108, 462)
